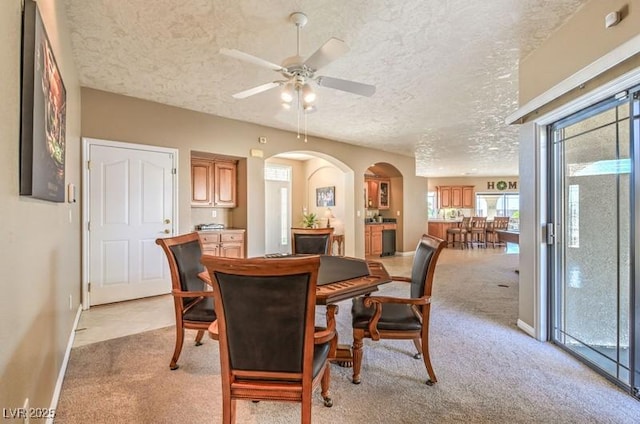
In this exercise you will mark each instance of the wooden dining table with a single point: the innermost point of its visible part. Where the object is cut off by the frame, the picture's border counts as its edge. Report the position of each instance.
(341, 278)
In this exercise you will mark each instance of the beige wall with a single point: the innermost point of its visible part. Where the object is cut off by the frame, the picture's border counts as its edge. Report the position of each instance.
(581, 41)
(480, 184)
(40, 249)
(120, 118)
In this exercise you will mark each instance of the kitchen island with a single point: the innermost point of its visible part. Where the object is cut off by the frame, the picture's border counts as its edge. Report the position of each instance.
(438, 227)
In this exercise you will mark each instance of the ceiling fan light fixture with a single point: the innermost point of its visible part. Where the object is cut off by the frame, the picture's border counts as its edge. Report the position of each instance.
(308, 95)
(286, 106)
(287, 93)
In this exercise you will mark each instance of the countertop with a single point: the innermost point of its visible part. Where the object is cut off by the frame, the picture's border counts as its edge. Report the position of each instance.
(445, 220)
(233, 230)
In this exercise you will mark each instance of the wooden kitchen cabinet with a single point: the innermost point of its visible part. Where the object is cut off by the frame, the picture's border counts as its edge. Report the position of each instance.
(378, 193)
(444, 197)
(461, 197)
(223, 243)
(376, 240)
(201, 182)
(213, 183)
(373, 245)
(439, 229)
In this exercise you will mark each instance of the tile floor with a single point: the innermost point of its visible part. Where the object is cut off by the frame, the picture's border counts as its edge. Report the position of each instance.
(114, 320)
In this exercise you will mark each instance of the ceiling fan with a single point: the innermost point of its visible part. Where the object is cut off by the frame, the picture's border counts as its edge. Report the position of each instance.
(298, 73)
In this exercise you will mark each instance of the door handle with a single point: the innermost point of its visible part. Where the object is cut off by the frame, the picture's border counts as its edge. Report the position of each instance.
(551, 234)
(167, 221)
(167, 231)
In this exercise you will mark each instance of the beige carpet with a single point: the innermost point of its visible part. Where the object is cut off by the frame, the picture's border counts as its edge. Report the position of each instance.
(488, 370)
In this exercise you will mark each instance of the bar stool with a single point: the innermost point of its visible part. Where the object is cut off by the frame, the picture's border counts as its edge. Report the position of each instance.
(500, 223)
(478, 231)
(461, 231)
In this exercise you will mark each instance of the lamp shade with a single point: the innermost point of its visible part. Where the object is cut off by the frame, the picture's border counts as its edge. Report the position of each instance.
(287, 93)
(308, 95)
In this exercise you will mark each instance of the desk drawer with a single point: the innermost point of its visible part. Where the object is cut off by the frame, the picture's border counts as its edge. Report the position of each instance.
(232, 237)
(210, 238)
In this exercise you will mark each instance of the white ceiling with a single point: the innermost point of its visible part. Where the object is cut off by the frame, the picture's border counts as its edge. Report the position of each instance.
(445, 70)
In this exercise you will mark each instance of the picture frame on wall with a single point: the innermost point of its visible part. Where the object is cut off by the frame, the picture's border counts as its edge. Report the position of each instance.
(326, 196)
(43, 113)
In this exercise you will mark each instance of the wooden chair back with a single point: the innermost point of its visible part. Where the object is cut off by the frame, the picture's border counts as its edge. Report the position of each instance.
(500, 223)
(314, 241)
(266, 326)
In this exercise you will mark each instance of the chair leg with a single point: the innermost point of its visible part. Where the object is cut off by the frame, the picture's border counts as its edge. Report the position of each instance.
(324, 386)
(357, 355)
(427, 361)
(199, 337)
(418, 348)
(305, 415)
(228, 410)
(176, 352)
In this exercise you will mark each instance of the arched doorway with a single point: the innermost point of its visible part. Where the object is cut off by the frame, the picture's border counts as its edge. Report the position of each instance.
(384, 203)
(293, 181)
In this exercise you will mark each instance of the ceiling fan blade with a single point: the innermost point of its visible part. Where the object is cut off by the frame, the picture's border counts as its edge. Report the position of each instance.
(345, 85)
(330, 51)
(255, 90)
(250, 58)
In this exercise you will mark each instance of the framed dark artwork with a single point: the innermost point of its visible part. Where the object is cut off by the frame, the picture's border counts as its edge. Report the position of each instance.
(43, 113)
(326, 196)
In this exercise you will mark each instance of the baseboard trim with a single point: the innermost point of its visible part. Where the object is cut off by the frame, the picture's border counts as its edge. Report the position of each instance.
(526, 328)
(63, 367)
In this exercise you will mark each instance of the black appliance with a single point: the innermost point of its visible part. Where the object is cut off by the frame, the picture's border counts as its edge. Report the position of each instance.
(388, 240)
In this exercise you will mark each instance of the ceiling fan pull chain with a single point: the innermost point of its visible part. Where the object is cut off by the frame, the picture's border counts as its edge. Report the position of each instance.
(305, 127)
(298, 112)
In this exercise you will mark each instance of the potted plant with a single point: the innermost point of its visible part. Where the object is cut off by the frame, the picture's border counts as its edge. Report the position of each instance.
(309, 220)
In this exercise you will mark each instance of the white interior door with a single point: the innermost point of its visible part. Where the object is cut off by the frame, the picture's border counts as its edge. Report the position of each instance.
(130, 204)
(277, 208)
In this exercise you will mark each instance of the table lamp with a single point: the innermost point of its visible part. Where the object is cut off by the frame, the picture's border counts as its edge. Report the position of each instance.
(328, 215)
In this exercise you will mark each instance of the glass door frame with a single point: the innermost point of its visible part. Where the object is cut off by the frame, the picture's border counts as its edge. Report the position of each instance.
(555, 213)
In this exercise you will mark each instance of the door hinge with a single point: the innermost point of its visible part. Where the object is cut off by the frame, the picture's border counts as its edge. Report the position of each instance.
(174, 171)
(89, 226)
(89, 165)
(89, 287)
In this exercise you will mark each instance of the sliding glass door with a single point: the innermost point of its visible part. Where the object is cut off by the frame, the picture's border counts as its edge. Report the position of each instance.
(592, 282)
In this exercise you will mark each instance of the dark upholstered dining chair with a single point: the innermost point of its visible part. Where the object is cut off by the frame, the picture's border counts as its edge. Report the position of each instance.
(269, 347)
(192, 301)
(315, 241)
(384, 317)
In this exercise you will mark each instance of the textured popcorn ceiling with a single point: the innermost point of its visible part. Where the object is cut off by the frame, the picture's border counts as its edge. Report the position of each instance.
(445, 70)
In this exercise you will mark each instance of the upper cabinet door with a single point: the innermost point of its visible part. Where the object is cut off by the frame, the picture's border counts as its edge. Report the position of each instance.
(383, 195)
(445, 197)
(201, 182)
(456, 197)
(468, 197)
(372, 194)
(225, 184)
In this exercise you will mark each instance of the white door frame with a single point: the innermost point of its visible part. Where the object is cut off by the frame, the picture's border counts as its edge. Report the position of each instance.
(86, 144)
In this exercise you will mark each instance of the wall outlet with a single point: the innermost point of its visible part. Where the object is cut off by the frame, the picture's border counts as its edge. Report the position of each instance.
(214, 214)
